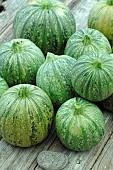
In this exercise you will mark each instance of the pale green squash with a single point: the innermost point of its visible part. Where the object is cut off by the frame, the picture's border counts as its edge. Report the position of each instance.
(101, 18)
(26, 114)
(86, 40)
(79, 124)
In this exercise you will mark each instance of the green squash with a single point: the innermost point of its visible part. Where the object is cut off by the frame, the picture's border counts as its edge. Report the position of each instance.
(79, 124)
(54, 77)
(86, 40)
(101, 18)
(19, 61)
(26, 114)
(3, 86)
(47, 23)
(34, 1)
(92, 76)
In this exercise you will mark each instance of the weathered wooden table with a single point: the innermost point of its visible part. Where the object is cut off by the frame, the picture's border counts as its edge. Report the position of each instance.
(15, 158)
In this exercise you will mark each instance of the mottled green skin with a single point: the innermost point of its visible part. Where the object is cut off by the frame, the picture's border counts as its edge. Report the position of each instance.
(79, 124)
(25, 121)
(92, 76)
(86, 40)
(101, 18)
(3, 86)
(48, 24)
(19, 61)
(34, 1)
(54, 77)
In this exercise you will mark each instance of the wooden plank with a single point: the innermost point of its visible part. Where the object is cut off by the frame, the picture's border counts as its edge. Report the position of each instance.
(81, 11)
(7, 17)
(105, 160)
(7, 35)
(11, 7)
(70, 3)
(21, 158)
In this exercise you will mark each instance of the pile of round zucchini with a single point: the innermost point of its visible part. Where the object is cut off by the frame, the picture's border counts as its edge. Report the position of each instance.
(51, 71)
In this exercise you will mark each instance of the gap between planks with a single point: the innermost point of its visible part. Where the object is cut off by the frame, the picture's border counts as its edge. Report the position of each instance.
(11, 6)
(105, 159)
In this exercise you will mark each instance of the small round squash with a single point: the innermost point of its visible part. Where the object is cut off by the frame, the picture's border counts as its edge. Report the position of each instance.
(79, 124)
(101, 18)
(54, 77)
(19, 61)
(26, 114)
(86, 40)
(47, 23)
(92, 76)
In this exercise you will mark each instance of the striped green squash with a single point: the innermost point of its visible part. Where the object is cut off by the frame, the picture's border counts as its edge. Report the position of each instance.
(26, 114)
(3, 86)
(34, 1)
(86, 40)
(54, 77)
(79, 124)
(19, 61)
(101, 18)
(47, 23)
(92, 76)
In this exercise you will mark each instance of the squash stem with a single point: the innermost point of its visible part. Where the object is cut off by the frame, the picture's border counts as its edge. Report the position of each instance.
(87, 40)
(23, 92)
(16, 47)
(77, 109)
(46, 4)
(110, 2)
(97, 64)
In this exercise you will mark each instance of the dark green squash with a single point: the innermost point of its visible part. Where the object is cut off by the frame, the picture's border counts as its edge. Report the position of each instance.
(47, 23)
